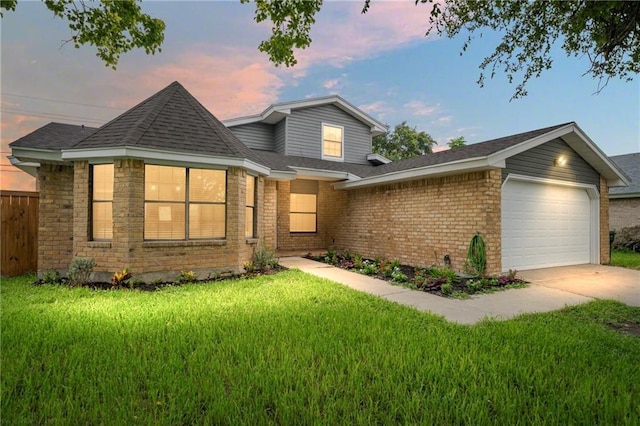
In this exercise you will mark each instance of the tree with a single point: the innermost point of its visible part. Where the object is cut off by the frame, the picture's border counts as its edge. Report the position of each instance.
(114, 27)
(457, 142)
(606, 32)
(403, 142)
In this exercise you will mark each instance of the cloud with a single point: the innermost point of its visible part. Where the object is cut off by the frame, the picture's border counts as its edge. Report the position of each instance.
(421, 109)
(330, 84)
(342, 34)
(381, 109)
(441, 121)
(13, 127)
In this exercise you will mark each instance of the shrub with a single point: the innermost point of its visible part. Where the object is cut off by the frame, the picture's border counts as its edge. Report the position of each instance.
(51, 277)
(476, 255)
(628, 239)
(120, 278)
(357, 261)
(446, 289)
(264, 258)
(398, 276)
(369, 268)
(80, 270)
(187, 277)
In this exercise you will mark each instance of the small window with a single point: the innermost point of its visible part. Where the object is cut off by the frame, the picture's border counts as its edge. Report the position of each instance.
(250, 215)
(303, 206)
(102, 202)
(332, 142)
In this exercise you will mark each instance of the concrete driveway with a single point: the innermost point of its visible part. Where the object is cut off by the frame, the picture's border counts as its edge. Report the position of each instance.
(595, 281)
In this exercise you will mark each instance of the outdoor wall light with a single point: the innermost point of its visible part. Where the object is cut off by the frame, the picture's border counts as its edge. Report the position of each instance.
(560, 161)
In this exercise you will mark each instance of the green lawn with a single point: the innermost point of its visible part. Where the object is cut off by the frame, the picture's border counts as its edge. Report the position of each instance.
(626, 259)
(294, 349)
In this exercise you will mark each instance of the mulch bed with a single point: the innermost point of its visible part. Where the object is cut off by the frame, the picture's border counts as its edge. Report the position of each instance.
(158, 285)
(419, 278)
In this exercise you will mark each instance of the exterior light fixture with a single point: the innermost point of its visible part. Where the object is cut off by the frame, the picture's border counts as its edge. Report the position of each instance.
(560, 161)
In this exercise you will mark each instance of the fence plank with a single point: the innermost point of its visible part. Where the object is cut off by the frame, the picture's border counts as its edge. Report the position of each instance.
(19, 232)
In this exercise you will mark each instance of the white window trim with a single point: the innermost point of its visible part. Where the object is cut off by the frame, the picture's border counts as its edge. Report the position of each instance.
(329, 157)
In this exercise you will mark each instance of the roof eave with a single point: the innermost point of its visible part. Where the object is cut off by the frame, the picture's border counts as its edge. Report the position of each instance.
(624, 195)
(166, 157)
(437, 170)
(26, 166)
(39, 154)
(321, 174)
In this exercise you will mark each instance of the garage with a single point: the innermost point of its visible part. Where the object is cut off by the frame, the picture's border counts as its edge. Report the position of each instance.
(545, 225)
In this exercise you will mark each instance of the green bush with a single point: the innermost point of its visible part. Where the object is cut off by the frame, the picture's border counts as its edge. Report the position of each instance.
(51, 277)
(264, 258)
(80, 270)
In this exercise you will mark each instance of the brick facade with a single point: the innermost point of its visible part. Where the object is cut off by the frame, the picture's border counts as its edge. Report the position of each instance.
(65, 226)
(624, 213)
(419, 222)
(55, 222)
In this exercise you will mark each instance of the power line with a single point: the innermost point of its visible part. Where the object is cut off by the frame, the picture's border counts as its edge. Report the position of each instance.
(43, 114)
(60, 101)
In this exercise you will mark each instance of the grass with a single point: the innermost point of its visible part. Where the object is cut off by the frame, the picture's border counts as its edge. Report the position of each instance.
(626, 259)
(294, 349)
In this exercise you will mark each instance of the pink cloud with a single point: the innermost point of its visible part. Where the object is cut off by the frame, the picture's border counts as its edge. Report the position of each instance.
(330, 84)
(13, 127)
(233, 83)
(421, 109)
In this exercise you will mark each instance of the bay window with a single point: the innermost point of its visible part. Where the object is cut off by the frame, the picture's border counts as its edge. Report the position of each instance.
(183, 203)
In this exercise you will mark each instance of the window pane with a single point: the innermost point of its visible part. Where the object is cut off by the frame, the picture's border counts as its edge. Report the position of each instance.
(206, 221)
(333, 149)
(164, 221)
(302, 222)
(102, 221)
(248, 224)
(164, 183)
(301, 203)
(207, 185)
(332, 134)
(103, 182)
(251, 190)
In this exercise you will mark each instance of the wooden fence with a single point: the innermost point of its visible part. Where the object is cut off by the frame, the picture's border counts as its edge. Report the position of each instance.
(19, 235)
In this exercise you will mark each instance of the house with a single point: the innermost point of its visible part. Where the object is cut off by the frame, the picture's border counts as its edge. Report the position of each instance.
(624, 203)
(167, 187)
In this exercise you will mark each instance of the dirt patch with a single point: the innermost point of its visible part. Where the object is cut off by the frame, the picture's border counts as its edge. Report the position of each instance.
(626, 327)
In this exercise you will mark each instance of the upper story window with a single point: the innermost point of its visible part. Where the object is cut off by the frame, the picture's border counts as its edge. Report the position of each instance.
(332, 142)
(102, 202)
(181, 203)
(250, 216)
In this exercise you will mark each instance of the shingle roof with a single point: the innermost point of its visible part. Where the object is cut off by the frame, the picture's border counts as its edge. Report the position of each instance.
(630, 165)
(481, 149)
(280, 162)
(173, 120)
(54, 136)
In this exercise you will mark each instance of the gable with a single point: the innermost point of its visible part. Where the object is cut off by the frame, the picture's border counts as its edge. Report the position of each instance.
(255, 135)
(304, 133)
(539, 162)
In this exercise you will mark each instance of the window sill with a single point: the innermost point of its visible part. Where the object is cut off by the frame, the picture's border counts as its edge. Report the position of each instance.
(183, 243)
(99, 244)
(302, 234)
(252, 241)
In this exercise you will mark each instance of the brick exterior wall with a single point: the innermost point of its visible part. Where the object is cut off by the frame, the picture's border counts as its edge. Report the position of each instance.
(419, 222)
(65, 203)
(55, 221)
(331, 204)
(624, 212)
(269, 212)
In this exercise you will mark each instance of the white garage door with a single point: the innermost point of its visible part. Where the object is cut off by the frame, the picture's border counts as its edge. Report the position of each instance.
(544, 225)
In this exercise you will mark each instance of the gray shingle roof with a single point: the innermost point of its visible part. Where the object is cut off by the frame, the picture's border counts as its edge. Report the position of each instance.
(280, 162)
(630, 165)
(481, 149)
(54, 136)
(172, 120)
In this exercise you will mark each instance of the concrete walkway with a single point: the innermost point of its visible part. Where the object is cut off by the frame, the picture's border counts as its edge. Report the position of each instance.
(545, 294)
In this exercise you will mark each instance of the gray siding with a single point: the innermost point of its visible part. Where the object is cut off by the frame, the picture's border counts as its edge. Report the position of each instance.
(280, 135)
(304, 133)
(538, 162)
(255, 135)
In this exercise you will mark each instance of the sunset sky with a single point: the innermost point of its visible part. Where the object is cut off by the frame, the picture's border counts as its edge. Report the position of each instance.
(380, 62)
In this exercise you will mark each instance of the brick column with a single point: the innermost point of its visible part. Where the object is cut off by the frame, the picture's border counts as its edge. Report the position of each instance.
(605, 255)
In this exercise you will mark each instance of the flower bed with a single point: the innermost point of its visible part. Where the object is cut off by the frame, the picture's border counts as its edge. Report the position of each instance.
(438, 280)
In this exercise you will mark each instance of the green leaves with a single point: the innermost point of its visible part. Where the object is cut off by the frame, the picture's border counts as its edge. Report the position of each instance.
(292, 20)
(606, 32)
(114, 27)
(403, 142)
